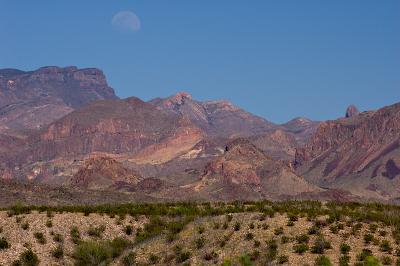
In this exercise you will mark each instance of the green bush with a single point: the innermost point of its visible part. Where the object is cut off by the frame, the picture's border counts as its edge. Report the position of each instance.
(236, 227)
(199, 242)
(302, 239)
(300, 248)
(368, 238)
(128, 229)
(75, 235)
(41, 239)
(249, 236)
(282, 259)
(245, 260)
(58, 252)
(278, 231)
(25, 225)
(153, 258)
(322, 261)
(320, 245)
(364, 254)
(129, 259)
(344, 260)
(385, 246)
(344, 248)
(49, 223)
(96, 231)
(4, 243)
(272, 250)
(99, 252)
(27, 258)
(386, 260)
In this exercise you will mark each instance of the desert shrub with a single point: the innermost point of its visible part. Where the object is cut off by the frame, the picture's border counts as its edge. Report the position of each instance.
(293, 217)
(372, 228)
(210, 255)
(236, 227)
(322, 261)
(216, 225)
(27, 258)
(344, 248)
(4, 243)
(49, 223)
(96, 231)
(344, 260)
(397, 252)
(41, 239)
(257, 243)
(153, 258)
(371, 261)
(229, 218)
(285, 239)
(58, 238)
(272, 250)
(128, 229)
(201, 230)
(251, 225)
(58, 252)
(245, 260)
(290, 223)
(265, 226)
(49, 214)
(382, 233)
(385, 246)
(225, 225)
(154, 227)
(199, 242)
(249, 236)
(182, 256)
(364, 254)
(334, 229)
(18, 219)
(75, 235)
(368, 238)
(302, 239)
(129, 259)
(300, 248)
(386, 260)
(25, 225)
(313, 230)
(226, 262)
(278, 231)
(100, 252)
(320, 245)
(255, 255)
(282, 259)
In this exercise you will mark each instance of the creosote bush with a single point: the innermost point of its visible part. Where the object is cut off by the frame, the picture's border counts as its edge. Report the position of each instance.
(4, 244)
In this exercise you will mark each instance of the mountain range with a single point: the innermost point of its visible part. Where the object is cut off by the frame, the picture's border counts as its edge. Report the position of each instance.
(64, 130)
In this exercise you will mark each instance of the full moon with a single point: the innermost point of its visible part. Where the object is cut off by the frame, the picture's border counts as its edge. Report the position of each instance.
(126, 21)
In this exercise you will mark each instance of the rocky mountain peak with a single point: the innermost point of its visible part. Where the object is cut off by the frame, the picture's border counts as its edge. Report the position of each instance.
(351, 111)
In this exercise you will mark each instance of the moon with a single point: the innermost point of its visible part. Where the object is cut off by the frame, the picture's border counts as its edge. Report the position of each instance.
(126, 21)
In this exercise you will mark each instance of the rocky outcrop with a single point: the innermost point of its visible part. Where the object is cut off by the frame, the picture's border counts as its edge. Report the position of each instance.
(253, 172)
(216, 118)
(360, 148)
(33, 99)
(351, 111)
(104, 173)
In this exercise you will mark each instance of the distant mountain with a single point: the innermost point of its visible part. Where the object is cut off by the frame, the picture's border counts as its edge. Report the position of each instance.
(216, 118)
(33, 99)
(360, 153)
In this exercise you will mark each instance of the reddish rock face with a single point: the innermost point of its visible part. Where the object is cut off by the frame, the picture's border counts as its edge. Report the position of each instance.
(31, 100)
(104, 173)
(360, 147)
(250, 169)
(111, 126)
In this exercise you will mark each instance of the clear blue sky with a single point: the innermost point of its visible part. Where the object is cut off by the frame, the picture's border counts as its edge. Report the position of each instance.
(277, 59)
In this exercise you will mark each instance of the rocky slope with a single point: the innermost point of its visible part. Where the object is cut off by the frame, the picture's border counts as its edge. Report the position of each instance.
(360, 153)
(104, 173)
(246, 172)
(216, 118)
(33, 99)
